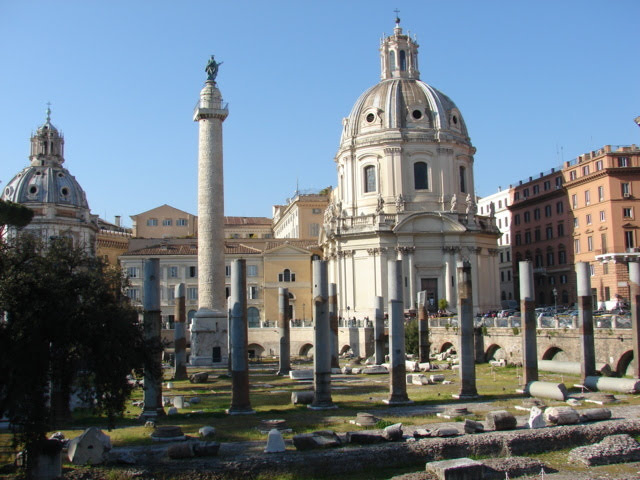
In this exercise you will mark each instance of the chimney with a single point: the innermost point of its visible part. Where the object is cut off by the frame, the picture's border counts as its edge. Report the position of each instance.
(117, 220)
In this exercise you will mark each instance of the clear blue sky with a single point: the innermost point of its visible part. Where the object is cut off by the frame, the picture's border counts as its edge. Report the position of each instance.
(537, 81)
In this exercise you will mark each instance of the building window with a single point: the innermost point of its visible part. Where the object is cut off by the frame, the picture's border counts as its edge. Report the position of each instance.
(227, 270)
(576, 223)
(601, 194)
(499, 204)
(547, 210)
(562, 257)
(590, 244)
(588, 219)
(559, 207)
(536, 189)
(516, 196)
(536, 234)
(133, 294)
(547, 185)
(369, 179)
(592, 269)
(550, 258)
(193, 271)
(182, 222)
(536, 214)
(463, 179)
(628, 239)
(549, 232)
(525, 193)
(605, 271)
(538, 261)
(252, 292)
(420, 176)
(585, 170)
(171, 292)
(558, 182)
(573, 175)
(563, 280)
(561, 229)
(286, 276)
(598, 165)
(508, 275)
(167, 222)
(517, 219)
(603, 243)
(626, 189)
(314, 229)
(173, 272)
(518, 239)
(527, 217)
(133, 272)
(576, 245)
(602, 216)
(574, 201)
(192, 293)
(152, 222)
(587, 197)
(627, 212)
(253, 317)
(527, 238)
(252, 270)
(623, 161)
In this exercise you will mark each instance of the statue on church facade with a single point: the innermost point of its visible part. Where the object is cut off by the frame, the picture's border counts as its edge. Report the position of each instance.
(454, 203)
(212, 69)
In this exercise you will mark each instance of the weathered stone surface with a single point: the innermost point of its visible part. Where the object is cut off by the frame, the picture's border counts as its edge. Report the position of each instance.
(181, 450)
(374, 370)
(206, 449)
(421, 433)
(346, 370)
(207, 432)
(364, 437)
(366, 419)
(453, 412)
(456, 469)
(536, 418)
(301, 374)
(499, 468)
(302, 398)
(595, 414)
(172, 411)
(500, 420)
(424, 367)
(167, 433)
(200, 377)
(320, 439)
(438, 377)
(90, 448)
(178, 401)
(613, 449)
(445, 432)
(561, 416)
(393, 433)
(412, 366)
(275, 442)
(417, 379)
(471, 426)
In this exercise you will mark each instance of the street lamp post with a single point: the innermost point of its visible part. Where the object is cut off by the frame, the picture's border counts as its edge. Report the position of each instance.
(555, 301)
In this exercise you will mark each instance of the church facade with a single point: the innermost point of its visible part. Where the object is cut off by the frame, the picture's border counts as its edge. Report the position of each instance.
(405, 190)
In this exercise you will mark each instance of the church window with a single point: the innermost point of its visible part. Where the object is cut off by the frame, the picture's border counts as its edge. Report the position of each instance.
(65, 191)
(455, 120)
(392, 60)
(370, 118)
(403, 60)
(33, 189)
(416, 114)
(421, 176)
(463, 179)
(369, 179)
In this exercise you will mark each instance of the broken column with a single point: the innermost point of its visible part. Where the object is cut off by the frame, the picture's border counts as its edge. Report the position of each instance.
(284, 362)
(152, 324)
(179, 340)
(322, 339)
(333, 324)
(423, 327)
(239, 333)
(585, 321)
(466, 345)
(378, 329)
(634, 293)
(397, 374)
(528, 314)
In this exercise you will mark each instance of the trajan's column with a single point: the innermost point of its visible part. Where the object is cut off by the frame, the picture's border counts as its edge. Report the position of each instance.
(209, 328)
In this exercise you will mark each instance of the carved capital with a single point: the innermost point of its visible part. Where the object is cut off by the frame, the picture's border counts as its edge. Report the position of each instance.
(392, 150)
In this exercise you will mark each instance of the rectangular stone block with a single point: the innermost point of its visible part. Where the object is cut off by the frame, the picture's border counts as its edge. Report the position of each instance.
(456, 469)
(301, 374)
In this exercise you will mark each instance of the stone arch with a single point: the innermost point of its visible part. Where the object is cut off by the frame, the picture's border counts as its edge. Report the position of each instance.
(255, 350)
(625, 362)
(306, 350)
(554, 353)
(495, 352)
(446, 346)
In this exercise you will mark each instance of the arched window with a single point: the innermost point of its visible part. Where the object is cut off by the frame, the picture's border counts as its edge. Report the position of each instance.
(369, 179)
(392, 60)
(463, 180)
(420, 176)
(253, 317)
(286, 276)
(403, 60)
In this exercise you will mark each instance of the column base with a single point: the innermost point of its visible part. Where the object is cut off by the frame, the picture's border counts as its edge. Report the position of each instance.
(465, 396)
(322, 406)
(240, 411)
(398, 401)
(283, 373)
(152, 414)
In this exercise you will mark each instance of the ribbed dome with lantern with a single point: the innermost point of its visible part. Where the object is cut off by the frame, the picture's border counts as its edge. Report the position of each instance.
(59, 203)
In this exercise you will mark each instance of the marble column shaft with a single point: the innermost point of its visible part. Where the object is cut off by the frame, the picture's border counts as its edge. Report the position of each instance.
(284, 332)
(179, 338)
(239, 334)
(466, 349)
(152, 324)
(423, 328)
(333, 324)
(634, 293)
(397, 374)
(528, 316)
(378, 329)
(585, 321)
(322, 338)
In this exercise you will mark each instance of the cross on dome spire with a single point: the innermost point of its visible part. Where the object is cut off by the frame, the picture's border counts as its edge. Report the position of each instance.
(48, 112)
